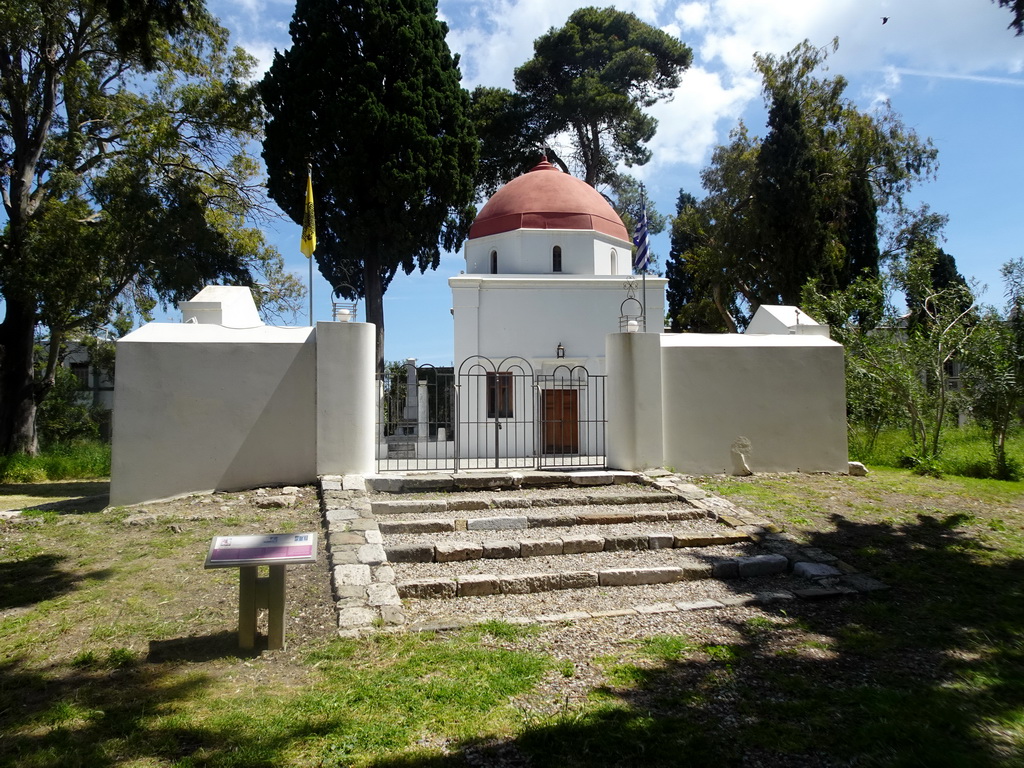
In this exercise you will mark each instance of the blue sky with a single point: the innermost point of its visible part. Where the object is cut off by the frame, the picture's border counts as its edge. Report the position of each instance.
(950, 68)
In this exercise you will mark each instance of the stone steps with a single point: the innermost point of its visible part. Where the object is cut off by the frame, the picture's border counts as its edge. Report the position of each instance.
(442, 558)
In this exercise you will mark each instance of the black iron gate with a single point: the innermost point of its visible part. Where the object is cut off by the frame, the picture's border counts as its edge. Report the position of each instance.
(490, 415)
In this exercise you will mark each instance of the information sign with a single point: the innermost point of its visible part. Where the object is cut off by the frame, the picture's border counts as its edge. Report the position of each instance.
(273, 549)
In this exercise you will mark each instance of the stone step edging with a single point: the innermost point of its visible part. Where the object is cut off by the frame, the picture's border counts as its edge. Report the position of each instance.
(551, 520)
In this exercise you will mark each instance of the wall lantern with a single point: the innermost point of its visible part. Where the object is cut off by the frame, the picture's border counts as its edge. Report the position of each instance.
(559, 351)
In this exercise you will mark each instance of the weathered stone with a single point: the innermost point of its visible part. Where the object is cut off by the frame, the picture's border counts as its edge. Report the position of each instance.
(696, 571)
(815, 570)
(141, 520)
(540, 547)
(353, 483)
(277, 502)
(656, 608)
(356, 617)
(554, 501)
(500, 549)
(356, 538)
(625, 543)
(340, 515)
(728, 568)
(552, 520)
(678, 515)
(352, 575)
(473, 585)
(698, 605)
(382, 594)
(762, 565)
(577, 545)
(406, 507)
(856, 469)
(540, 479)
(627, 577)
(818, 555)
(344, 556)
(590, 478)
(614, 614)
(709, 540)
(478, 480)
(456, 551)
(525, 583)
(578, 580)
(371, 554)
(362, 524)
(651, 516)
(736, 600)
(426, 482)
(774, 597)
(604, 518)
(822, 593)
(509, 523)
(350, 592)
(411, 553)
(330, 485)
(690, 492)
(373, 537)
(424, 525)
(383, 574)
(467, 504)
(661, 541)
(510, 502)
(392, 615)
(427, 588)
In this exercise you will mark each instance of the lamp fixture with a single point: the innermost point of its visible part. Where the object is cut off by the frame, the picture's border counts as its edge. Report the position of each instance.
(559, 351)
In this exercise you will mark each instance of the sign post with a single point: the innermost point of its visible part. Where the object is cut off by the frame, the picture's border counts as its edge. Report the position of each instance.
(248, 553)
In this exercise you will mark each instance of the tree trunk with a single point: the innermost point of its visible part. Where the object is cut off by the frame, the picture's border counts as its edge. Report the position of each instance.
(17, 381)
(374, 297)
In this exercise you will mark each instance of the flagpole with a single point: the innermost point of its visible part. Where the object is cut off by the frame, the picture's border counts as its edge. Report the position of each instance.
(311, 291)
(643, 279)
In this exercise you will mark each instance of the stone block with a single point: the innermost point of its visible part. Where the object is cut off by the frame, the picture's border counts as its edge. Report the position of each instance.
(353, 538)
(330, 485)
(822, 593)
(456, 551)
(590, 478)
(382, 574)
(625, 542)
(427, 588)
(728, 568)
(540, 547)
(373, 537)
(818, 555)
(774, 597)
(352, 575)
(562, 618)
(344, 556)
(526, 583)
(340, 515)
(350, 592)
(578, 545)
(467, 504)
(500, 549)
(382, 594)
(410, 553)
(815, 570)
(404, 507)
(737, 600)
(485, 480)
(425, 525)
(506, 523)
(552, 520)
(540, 479)
(690, 492)
(362, 524)
(349, 618)
(426, 482)
(613, 614)
(353, 483)
(478, 584)
(698, 605)
(277, 502)
(511, 502)
(762, 565)
(656, 608)
(661, 541)
(856, 469)
(628, 577)
(604, 518)
(578, 580)
(392, 615)
(696, 571)
(371, 554)
(651, 516)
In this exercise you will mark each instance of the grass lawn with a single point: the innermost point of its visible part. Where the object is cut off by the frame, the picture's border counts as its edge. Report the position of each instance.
(117, 649)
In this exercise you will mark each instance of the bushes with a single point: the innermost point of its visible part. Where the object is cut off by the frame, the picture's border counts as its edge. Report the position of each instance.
(78, 460)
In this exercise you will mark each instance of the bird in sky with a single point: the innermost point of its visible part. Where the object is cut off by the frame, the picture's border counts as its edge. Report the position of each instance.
(885, 19)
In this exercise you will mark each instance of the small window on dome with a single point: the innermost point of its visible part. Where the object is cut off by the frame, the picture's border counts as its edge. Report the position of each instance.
(494, 262)
(556, 259)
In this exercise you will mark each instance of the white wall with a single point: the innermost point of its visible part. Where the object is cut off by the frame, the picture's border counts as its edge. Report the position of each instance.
(528, 252)
(784, 395)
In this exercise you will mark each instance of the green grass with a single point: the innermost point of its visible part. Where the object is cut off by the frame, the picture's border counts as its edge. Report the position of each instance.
(78, 460)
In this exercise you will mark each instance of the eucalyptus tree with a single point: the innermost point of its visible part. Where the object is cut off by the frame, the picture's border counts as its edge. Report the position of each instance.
(125, 179)
(369, 96)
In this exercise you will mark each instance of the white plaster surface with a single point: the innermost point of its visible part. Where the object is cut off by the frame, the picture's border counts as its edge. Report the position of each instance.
(528, 252)
(203, 407)
(784, 320)
(635, 426)
(228, 305)
(782, 395)
(345, 398)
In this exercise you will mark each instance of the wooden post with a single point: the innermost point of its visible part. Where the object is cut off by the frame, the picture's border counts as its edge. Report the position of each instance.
(247, 581)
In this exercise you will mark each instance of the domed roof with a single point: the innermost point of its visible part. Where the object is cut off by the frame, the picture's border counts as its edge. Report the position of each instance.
(546, 198)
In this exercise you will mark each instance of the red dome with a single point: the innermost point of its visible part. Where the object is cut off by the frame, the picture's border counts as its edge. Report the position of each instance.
(546, 198)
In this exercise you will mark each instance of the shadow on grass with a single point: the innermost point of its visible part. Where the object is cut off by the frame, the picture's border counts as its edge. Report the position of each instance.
(38, 578)
(220, 645)
(929, 674)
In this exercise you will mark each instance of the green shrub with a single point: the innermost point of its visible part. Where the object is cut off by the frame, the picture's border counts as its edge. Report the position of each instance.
(78, 460)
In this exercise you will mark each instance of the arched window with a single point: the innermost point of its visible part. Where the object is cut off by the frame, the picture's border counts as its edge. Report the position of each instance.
(556, 259)
(615, 262)
(494, 262)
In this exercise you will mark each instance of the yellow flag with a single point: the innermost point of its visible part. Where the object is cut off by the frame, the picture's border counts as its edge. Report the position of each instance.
(308, 243)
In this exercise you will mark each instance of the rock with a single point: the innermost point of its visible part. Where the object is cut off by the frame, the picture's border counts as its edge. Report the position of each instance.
(762, 565)
(857, 469)
(276, 502)
(815, 570)
(141, 519)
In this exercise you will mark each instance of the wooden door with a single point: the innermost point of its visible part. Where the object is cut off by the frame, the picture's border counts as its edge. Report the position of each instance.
(560, 418)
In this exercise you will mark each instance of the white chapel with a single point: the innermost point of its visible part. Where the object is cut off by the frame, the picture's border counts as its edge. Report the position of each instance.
(548, 262)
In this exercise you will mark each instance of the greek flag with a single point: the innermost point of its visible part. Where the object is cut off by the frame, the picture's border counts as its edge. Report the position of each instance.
(643, 254)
